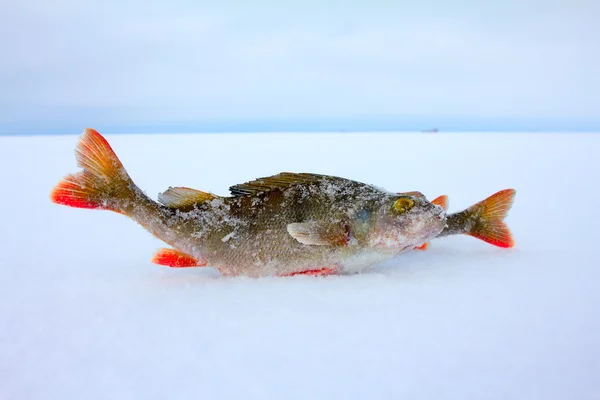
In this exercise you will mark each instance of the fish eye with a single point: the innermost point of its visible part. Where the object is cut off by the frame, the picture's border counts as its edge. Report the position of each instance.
(403, 204)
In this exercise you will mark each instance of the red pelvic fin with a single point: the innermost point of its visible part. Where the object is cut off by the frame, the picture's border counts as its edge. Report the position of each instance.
(325, 271)
(441, 201)
(424, 246)
(176, 259)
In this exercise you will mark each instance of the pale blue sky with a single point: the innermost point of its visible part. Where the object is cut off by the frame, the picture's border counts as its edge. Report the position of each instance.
(71, 64)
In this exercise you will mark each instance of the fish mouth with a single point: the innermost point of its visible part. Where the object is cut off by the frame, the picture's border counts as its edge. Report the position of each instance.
(438, 212)
(438, 221)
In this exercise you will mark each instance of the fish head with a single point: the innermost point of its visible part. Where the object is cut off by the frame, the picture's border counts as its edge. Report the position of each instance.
(403, 222)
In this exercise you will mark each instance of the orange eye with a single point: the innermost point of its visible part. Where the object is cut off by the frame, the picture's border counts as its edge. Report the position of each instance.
(403, 204)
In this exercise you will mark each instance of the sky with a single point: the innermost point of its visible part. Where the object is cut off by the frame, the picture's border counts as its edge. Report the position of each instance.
(179, 65)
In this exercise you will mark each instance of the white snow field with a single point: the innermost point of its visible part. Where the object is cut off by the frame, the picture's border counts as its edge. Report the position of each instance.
(85, 315)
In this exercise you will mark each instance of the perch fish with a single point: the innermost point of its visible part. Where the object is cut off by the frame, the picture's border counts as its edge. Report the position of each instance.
(282, 225)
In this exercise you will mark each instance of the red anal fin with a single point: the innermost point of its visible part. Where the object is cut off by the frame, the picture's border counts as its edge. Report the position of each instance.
(424, 246)
(441, 201)
(176, 259)
(325, 271)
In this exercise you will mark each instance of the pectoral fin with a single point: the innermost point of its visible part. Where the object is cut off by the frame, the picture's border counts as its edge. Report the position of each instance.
(320, 233)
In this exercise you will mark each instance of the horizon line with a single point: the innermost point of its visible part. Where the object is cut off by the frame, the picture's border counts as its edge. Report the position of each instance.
(398, 124)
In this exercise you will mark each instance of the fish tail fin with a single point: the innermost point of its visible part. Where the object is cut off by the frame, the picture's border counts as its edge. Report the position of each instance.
(485, 220)
(103, 184)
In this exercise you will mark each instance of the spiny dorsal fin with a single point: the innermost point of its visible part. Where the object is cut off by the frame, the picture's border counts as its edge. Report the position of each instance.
(181, 197)
(280, 181)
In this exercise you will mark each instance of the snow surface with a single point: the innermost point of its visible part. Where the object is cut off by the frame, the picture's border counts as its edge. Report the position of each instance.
(85, 315)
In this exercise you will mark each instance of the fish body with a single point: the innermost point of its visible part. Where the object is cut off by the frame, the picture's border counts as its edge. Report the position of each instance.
(298, 222)
(282, 225)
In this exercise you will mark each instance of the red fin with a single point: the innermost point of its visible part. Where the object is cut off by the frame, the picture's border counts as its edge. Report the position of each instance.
(325, 271)
(102, 184)
(424, 246)
(490, 214)
(176, 259)
(71, 191)
(441, 201)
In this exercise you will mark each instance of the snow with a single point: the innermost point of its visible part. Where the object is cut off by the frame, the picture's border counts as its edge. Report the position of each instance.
(85, 315)
(228, 236)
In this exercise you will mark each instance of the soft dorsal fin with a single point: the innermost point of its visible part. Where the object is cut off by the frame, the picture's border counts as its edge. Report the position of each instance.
(180, 197)
(280, 181)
